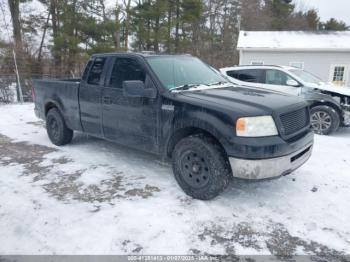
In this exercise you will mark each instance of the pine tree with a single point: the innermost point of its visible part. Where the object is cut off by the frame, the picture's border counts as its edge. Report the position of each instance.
(313, 20)
(335, 25)
(280, 11)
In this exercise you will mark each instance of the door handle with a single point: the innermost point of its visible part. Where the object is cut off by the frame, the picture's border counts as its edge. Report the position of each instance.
(107, 100)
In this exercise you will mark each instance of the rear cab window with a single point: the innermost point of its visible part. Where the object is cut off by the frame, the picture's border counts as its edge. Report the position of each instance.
(86, 71)
(96, 70)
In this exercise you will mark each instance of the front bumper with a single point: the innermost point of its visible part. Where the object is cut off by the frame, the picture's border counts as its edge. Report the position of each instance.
(272, 167)
(346, 117)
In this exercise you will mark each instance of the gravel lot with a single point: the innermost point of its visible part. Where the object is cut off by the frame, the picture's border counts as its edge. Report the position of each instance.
(94, 197)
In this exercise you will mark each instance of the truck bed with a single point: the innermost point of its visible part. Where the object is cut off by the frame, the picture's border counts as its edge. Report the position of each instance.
(64, 93)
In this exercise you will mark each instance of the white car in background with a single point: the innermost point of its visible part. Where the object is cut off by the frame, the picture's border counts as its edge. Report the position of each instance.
(330, 104)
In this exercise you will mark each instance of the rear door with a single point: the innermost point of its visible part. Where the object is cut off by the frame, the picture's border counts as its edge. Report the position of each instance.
(90, 96)
(131, 121)
(249, 77)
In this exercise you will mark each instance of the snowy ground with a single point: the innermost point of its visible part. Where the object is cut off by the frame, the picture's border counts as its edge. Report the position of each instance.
(94, 197)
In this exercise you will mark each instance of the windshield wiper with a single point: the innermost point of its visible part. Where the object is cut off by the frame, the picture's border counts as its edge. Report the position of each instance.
(217, 83)
(184, 87)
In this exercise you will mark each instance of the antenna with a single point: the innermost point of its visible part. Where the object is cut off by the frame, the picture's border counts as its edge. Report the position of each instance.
(13, 53)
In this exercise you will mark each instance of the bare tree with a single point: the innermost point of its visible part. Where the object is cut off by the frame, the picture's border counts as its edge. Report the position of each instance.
(127, 5)
(43, 37)
(16, 23)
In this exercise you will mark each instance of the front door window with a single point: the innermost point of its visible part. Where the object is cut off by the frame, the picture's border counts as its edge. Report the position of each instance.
(126, 69)
(276, 77)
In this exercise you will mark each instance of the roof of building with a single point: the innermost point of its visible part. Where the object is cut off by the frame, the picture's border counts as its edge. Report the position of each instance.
(294, 40)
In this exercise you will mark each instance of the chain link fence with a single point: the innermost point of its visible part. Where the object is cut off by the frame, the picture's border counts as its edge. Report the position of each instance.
(9, 89)
(29, 69)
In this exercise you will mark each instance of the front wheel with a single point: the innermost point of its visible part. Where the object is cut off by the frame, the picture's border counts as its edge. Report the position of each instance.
(200, 166)
(324, 120)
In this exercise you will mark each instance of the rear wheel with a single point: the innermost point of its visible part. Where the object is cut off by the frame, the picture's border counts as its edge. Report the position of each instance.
(324, 120)
(57, 129)
(200, 166)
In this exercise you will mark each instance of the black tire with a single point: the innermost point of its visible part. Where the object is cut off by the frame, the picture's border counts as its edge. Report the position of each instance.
(324, 120)
(200, 166)
(57, 129)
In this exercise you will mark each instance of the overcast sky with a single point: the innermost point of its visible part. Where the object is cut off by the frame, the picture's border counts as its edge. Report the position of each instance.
(339, 9)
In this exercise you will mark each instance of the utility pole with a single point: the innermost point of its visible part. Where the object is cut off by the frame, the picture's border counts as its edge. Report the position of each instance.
(17, 75)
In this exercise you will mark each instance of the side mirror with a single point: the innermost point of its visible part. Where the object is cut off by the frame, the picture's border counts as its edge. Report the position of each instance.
(292, 82)
(136, 88)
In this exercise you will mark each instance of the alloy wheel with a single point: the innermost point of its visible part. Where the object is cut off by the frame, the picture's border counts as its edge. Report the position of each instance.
(321, 121)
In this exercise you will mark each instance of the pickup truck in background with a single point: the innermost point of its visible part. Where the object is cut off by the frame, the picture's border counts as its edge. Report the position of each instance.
(329, 104)
(179, 108)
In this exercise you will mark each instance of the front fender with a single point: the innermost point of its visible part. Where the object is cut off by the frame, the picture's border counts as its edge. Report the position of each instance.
(319, 98)
(217, 125)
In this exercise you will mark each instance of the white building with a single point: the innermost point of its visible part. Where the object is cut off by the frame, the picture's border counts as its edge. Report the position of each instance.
(323, 53)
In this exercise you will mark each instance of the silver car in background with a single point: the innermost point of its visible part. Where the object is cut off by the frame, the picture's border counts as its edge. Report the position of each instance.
(329, 104)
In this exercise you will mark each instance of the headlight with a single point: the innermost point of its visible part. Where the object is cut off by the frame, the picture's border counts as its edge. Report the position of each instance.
(258, 126)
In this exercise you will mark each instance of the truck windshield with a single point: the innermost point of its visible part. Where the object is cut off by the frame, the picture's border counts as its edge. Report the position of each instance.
(306, 76)
(177, 71)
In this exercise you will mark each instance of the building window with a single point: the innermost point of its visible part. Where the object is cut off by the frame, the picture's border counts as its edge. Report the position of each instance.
(338, 74)
(257, 63)
(299, 65)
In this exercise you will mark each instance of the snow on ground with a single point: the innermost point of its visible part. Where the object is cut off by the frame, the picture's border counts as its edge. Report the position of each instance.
(94, 197)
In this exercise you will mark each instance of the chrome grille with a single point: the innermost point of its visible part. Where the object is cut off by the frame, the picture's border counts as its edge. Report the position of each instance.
(294, 121)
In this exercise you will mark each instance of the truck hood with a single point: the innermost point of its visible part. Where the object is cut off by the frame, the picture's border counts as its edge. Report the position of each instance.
(249, 101)
(331, 88)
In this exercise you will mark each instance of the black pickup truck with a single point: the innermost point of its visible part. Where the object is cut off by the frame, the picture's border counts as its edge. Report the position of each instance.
(179, 108)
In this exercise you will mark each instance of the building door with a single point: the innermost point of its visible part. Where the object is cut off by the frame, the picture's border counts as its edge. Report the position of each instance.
(339, 74)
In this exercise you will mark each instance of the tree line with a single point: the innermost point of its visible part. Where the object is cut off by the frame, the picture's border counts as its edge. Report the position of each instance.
(71, 30)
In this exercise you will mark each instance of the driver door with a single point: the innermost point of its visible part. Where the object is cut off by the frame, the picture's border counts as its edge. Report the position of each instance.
(279, 81)
(131, 121)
